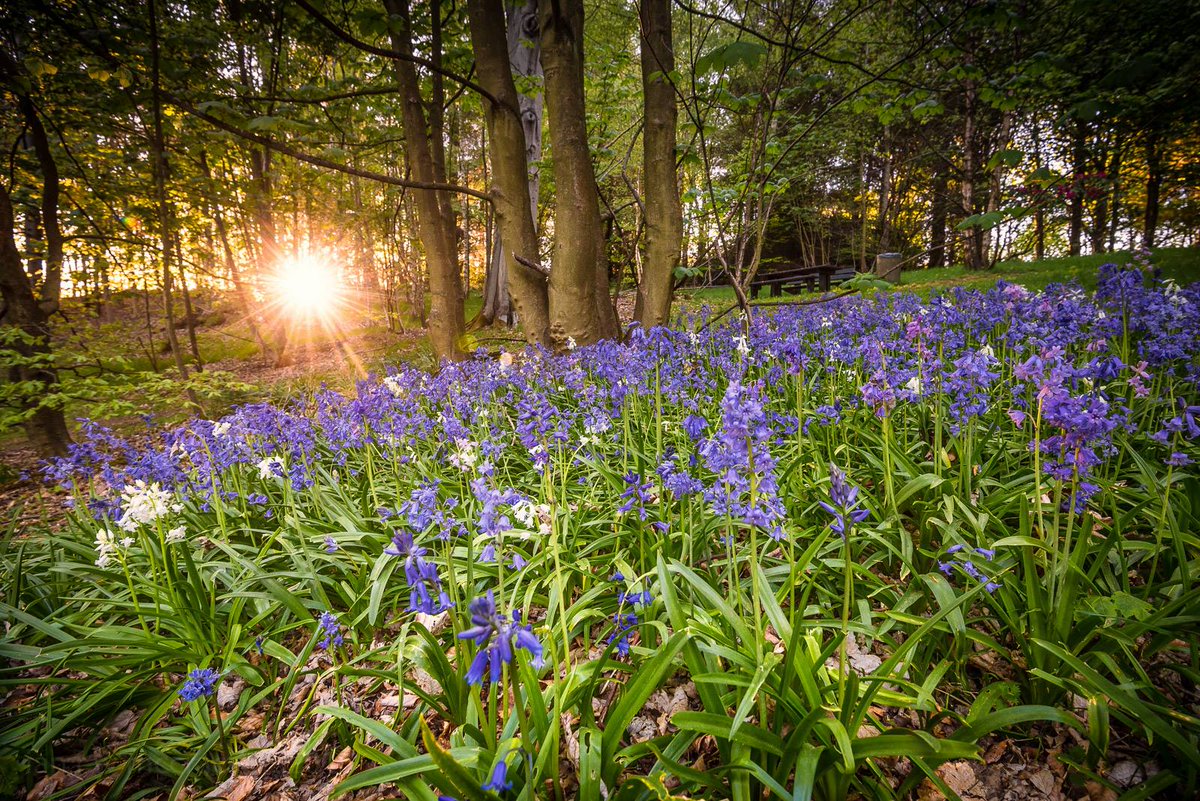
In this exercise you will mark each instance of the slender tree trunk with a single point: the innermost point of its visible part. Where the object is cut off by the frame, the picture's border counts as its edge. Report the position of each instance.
(189, 313)
(514, 208)
(1154, 179)
(973, 236)
(231, 266)
(436, 226)
(937, 221)
(1114, 175)
(995, 189)
(883, 224)
(158, 157)
(664, 214)
(580, 308)
(1039, 214)
(46, 427)
(1078, 167)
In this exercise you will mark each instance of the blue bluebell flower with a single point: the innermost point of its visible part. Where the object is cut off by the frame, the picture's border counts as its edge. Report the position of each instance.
(329, 626)
(496, 635)
(843, 502)
(499, 781)
(200, 683)
(423, 580)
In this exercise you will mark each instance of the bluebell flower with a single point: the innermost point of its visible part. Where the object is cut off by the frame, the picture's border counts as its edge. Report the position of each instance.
(625, 621)
(200, 683)
(499, 781)
(331, 545)
(328, 624)
(843, 502)
(496, 635)
(422, 576)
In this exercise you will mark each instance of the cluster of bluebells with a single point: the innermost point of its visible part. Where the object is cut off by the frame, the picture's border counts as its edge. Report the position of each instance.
(1078, 377)
(331, 631)
(740, 455)
(960, 560)
(629, 607)
(200, 683)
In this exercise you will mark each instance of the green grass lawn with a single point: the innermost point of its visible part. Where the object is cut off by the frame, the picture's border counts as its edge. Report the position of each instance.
(1181, 264)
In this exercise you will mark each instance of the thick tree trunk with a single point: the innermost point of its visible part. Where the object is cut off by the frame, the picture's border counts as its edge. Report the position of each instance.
(46, 427)
(580, 308)
(513, 204)
(51, 289)
(664, 215)
(435, 225)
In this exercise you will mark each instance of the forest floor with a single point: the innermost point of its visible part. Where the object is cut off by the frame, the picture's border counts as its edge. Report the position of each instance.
(1010, 769)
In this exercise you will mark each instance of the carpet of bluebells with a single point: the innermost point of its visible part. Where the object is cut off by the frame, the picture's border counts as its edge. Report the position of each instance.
(816, 553)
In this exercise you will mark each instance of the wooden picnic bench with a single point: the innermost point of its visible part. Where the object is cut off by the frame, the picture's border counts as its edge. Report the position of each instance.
(797, 279)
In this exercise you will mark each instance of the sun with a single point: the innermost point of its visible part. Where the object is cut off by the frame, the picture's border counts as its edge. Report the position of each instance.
(307, 286)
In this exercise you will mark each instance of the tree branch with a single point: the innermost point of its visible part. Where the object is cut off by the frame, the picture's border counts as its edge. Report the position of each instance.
(317, 161)
(350, 39)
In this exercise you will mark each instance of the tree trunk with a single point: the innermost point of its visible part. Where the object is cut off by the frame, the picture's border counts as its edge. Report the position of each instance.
(937, 218)
(1078, 167)
(1114, 175)
(664, 215)
(158, 158)
(1154, 179)
(973, 236)
(213, 204)
(1039, 213)
(995, 189)
(883, 224)
(46, 428)
(189, 318)
(436, 227)
(509, 156)
(51, 289)
(580, 308)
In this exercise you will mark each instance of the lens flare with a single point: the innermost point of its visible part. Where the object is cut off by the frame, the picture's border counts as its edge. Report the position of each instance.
(307, 286)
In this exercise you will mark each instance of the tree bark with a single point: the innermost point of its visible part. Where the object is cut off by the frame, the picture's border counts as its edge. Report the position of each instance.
(1154, 179)
(883, 224)
(580, 308)
(46, 427)
(664, 214)
(514, 206)
(436, 228)
(51, 289)
(937, 218)
(158, 158)
(1078, 168)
